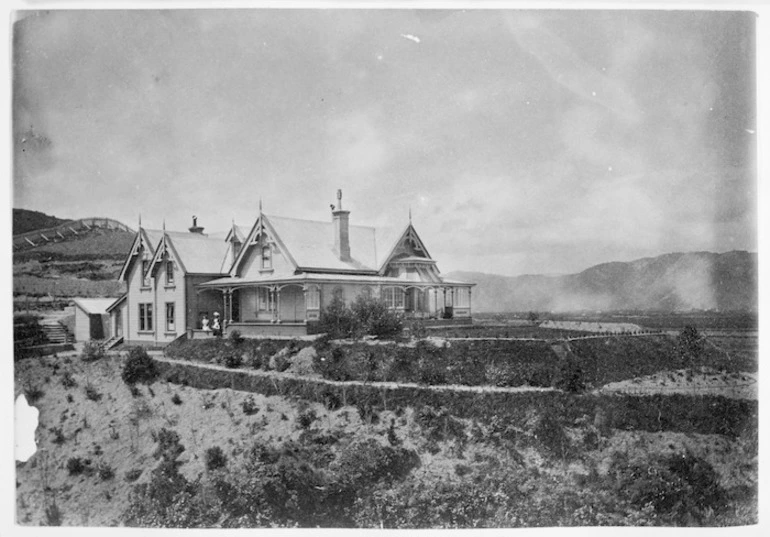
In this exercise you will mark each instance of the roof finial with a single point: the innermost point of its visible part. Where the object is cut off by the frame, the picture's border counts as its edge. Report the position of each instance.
(410, 214)
(260, 206)
(164, 224)
(140, 220)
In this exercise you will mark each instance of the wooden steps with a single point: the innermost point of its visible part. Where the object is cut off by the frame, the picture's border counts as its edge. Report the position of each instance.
(56, 332)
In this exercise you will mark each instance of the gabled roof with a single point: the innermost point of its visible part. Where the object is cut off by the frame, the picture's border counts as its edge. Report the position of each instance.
(145, 238)
(198, 253)
(94, 306)
(311, 244)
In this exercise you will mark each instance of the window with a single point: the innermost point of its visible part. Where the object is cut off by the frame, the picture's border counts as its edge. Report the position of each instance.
(267, 257)
(263, 299)
(169, 272)
(462, 298)
(367, 292)
(145, 317)
(145, 275)
(170, 321)
(313, 298)
(393, 297)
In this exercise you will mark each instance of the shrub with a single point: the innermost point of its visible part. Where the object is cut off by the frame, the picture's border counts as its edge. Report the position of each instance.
(233, 360)
(371, 316)
(105, 471)
(281, 362)
(337, 320)
(92, 351)
(679, 487)
(133, 474)
(306, 418)
(235, 338)
(58, 435)
(571, 377)
(33, 393)
(92, 393)
(215, 458)
(139, 367)
(77, 465)
(68, 381)
(249, 407)
(176, 399)
(169, 446)
(331, 400)
(53, 516)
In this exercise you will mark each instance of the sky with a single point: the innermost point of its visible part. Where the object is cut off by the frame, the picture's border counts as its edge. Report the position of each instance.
(522, 141)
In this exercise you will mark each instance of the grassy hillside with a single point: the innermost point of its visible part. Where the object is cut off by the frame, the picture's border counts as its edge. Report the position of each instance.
(173, 455)
(87, 266)
(25, 220)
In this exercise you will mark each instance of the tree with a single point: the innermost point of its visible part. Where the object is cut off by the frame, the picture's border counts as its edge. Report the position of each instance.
(689, 344)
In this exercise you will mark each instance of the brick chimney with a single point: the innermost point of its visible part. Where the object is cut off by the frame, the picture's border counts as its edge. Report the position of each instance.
(195, 227)
(341, 229)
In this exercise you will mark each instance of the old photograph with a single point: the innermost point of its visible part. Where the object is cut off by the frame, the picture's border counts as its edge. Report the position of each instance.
(385, 268)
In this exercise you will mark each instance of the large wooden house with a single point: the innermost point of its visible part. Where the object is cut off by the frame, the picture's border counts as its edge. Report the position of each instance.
(276, 278)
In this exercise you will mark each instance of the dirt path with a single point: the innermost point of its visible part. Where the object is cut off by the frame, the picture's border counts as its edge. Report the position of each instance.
(157, 355)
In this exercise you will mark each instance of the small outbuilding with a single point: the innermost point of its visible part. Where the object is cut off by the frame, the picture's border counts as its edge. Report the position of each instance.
(92, 321)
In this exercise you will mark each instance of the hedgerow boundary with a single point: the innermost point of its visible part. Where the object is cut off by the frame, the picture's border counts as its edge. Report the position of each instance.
(700, 414)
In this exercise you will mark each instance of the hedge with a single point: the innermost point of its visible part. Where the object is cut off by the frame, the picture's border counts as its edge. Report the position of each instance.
(703, 414)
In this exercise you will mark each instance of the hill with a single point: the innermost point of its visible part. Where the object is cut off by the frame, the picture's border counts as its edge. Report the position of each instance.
(25, 220)
(670, 282)
(83, 259)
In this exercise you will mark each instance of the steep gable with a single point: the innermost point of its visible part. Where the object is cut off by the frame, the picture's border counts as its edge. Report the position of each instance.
(408, 244)
(145, 242)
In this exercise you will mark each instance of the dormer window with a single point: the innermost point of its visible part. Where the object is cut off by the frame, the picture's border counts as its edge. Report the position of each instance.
(267, 258)
(169, 272)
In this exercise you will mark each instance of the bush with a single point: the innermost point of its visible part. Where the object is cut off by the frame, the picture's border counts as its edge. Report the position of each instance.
(233, 361)
(680, 487)
(33, 393)
(92, 351)
(133, 475)
(215, 458)
(337, 320)
(105, 471)
(68, 381)
(305, 419)
(139, 367)
(235, 338)
(176, 399)
(373, 317)
(169, 446)
(92, 393)
(58, 435)
(249, 407)
(571, 377)
(77, 465)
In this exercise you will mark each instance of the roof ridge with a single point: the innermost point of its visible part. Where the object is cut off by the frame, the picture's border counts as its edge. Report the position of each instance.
(318, 221)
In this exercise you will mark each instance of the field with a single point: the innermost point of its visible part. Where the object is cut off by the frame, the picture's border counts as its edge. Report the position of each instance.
(439, 433)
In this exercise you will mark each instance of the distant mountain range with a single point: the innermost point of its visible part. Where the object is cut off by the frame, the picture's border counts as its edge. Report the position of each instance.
(25, 220)
(669, 282)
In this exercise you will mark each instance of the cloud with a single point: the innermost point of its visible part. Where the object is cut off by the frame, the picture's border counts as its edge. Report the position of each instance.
(568, 69)
(356, 145)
